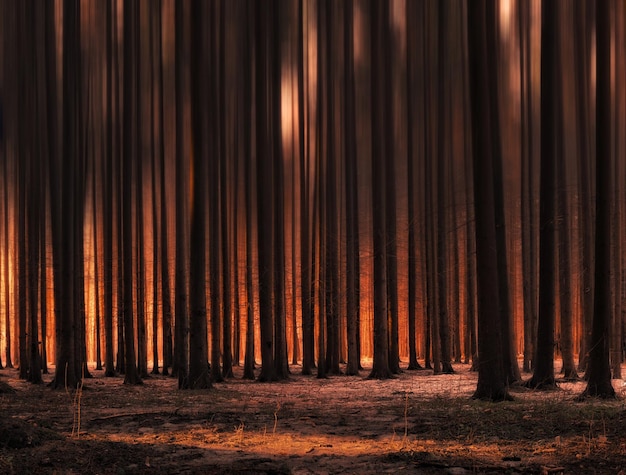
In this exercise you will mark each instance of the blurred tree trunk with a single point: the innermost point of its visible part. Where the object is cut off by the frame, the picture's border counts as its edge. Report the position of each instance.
(380, 367)
(225, 158)
(492, 383)
(181, 343)
(129, 169)
(249, 357)
(543, 376)
(281, 361)
(529, 251)
(265, 195)
(599, 370)
(352, 199)
(441, 261)
(388, 128)
(332, 238)
(168, 357)
(140, 266)
(585, 209)
(63, 196)
(215, 146)
(199, 377)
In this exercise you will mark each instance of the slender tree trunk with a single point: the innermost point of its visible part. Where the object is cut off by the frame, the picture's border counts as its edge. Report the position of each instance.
(131, 375)
(481, 35)
(543, 376)
(181, 345)
(199, 377)
(352, 199)
(249, 357)
(107, 200)
(599, 370)
(380, 367)
(265, 197)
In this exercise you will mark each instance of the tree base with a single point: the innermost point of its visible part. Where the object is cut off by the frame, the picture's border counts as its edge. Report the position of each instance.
(546, 384)
(601, 391)
(414, 366)
(381, 374)
(500, 395)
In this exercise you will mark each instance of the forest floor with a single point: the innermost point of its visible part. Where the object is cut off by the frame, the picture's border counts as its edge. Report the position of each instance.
(416, 423)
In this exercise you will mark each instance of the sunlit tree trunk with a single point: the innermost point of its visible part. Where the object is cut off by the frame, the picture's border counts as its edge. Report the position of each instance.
(599, 370)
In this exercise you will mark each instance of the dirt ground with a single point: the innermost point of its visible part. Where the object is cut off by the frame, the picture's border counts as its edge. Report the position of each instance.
(416, 423)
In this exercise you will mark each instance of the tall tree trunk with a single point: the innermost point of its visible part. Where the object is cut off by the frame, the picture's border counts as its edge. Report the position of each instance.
(249, 357)
(107, 199)
(199, 377)
(380, 366)
(352, 199)
(130, 168)
(582, 65)
(599, 370)
(543, 376)
(181, 344)
(442, 206)
(265, 196)
(481, 35)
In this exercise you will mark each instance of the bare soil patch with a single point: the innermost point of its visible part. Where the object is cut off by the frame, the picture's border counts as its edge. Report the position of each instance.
(416, 423)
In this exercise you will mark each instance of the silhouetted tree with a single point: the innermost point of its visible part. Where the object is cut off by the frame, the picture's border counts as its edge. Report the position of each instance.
(599, 370)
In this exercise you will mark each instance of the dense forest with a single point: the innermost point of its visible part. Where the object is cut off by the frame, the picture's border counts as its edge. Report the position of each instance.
(313, 186)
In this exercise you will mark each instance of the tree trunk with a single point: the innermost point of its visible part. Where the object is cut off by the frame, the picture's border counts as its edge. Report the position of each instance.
(543, 376)
(380, 366)
(481, 35)
(599, 370)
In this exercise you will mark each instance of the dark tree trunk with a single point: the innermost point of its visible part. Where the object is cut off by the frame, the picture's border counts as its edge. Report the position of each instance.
(129, 168)
(481, 35)
(352, 199)
(199, 377)
(168, 357)
(249, 357)
(227, 338)
(543, 376)
(181, 344)
(599, 370)
(107, 200)
(265, 196)
(441, 267)
(582, 65)
(380, 366)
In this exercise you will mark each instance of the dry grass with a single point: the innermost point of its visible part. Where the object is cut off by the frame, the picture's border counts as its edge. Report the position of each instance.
(417, 423)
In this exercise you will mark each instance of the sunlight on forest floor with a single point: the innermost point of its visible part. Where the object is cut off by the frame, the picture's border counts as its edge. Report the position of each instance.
(417, 422)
